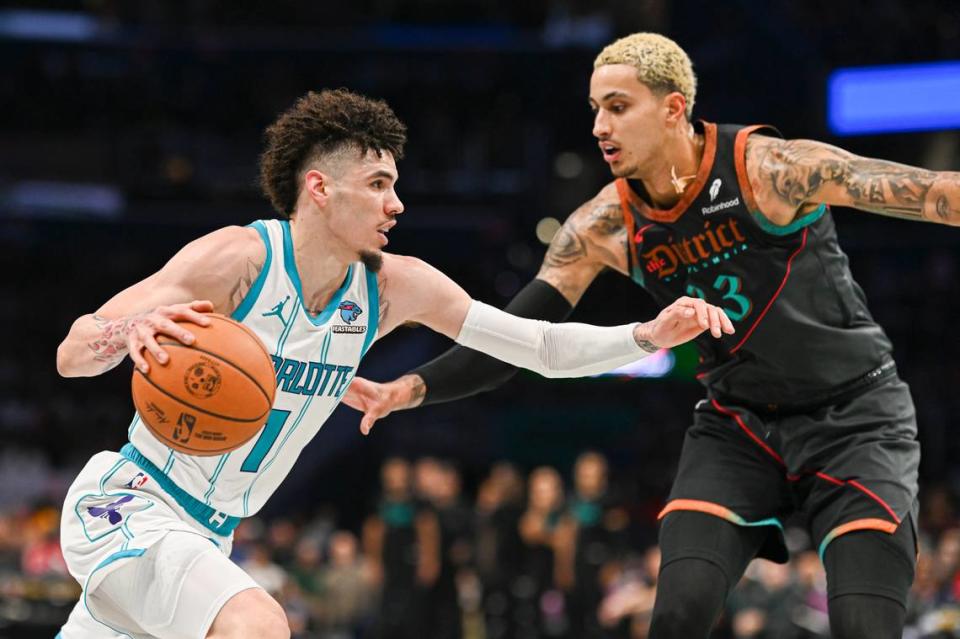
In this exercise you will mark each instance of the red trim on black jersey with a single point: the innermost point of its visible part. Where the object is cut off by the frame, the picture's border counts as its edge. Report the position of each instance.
(803, 243)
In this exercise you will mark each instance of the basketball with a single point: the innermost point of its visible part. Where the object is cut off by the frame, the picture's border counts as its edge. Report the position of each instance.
(210, 397)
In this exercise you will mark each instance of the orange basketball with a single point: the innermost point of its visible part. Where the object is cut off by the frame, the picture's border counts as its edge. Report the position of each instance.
(210, 397)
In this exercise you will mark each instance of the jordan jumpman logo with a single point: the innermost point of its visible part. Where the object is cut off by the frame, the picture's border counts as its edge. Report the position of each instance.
(278, 310)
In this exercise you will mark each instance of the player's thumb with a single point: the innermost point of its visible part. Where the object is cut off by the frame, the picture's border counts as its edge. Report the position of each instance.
(366, 424)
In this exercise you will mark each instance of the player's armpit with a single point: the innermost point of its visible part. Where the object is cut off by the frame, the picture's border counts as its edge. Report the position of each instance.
(592, 238)
(791, 176)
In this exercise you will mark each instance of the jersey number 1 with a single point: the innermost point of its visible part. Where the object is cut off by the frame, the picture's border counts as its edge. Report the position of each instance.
(271, 430)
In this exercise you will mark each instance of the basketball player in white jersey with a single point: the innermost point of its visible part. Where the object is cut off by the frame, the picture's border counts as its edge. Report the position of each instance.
(147, 531)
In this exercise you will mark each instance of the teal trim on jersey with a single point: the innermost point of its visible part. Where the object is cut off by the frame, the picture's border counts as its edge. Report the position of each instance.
(169, 464)
(282, 341)
(136, 552)
(251, 297)
(636, 274)
(194, 507)
(130, 552)
(133, 424)
(794, 226)
(59, 636)
(325, 349)
(290, 264)
(373, 302)
(213, 480)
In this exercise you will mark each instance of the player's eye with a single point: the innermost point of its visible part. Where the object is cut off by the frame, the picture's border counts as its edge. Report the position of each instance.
(618, 108)
(377, 184)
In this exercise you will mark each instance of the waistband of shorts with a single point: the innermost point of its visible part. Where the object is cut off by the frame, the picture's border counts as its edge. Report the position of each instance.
(836, 395)
(212, 519)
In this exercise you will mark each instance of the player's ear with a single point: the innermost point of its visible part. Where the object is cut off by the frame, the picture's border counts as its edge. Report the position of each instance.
(675, 107)
(317, 186)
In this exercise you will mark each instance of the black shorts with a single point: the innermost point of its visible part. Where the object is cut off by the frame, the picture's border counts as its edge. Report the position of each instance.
(851, 465)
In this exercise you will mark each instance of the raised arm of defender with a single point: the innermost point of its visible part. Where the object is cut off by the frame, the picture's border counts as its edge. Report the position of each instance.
(792, 177)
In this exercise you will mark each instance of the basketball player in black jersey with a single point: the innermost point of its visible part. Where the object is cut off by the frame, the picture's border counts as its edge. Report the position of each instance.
(804, 410)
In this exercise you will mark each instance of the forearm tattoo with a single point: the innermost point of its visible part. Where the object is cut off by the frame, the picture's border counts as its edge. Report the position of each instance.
(648, 346)
(796, 172)
(110, 346)
(418, 390)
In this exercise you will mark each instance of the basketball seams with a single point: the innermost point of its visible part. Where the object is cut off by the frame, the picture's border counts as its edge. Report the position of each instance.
(221, 358)
(247, 330)
(197, 408)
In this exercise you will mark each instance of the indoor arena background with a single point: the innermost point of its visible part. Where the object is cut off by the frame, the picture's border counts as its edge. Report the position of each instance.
(129, 128)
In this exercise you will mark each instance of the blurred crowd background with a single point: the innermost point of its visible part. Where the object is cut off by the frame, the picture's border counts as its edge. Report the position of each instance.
(130, 127)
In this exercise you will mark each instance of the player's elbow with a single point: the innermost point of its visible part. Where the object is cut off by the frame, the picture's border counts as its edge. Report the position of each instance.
(65, 365)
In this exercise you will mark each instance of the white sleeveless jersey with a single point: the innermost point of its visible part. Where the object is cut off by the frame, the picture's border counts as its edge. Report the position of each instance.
(314, 358)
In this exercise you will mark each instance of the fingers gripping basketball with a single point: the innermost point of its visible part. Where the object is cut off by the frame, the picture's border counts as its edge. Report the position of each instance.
(212, 396)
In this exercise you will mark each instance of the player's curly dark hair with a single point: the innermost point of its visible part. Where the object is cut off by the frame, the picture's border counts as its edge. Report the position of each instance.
(319, 124)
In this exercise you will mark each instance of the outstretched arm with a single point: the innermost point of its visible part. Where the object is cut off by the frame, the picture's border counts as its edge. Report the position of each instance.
(417, 292)
(792, 176)
(591, 239)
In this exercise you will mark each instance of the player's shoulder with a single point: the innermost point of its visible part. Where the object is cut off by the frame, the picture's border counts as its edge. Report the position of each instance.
(601, 213)
(229, 245)
(404, 267)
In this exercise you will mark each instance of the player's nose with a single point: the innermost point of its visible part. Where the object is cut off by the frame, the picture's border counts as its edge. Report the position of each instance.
(601, 125)
(393, 205)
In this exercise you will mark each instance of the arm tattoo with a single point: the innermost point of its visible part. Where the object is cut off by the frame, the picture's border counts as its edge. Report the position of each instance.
(566, 248)
(606, 219)
(245, 283)
(418, 390)
(384, 302)
(648, 346)
(572, 240)
(110, 346)
(796, 172)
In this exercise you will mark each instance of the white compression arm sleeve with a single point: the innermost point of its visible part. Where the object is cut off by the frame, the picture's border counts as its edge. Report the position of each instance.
(553, 350)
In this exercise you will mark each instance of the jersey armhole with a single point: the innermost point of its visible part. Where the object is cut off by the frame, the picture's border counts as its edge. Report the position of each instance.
(743, 181)
(251, 297)
(373, 301)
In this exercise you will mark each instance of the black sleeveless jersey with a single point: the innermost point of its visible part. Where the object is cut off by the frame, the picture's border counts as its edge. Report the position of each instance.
(802, 325)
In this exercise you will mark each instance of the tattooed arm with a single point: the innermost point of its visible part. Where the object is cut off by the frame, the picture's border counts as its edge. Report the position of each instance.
(213, 273)
(791, 177)
(593, 238)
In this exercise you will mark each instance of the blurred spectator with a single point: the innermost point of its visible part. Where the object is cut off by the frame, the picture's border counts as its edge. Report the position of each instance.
(267, 574)
(456, 551)
(590, 537)
(539, 608)
(499, 550)
(344, 604)
(402, 542)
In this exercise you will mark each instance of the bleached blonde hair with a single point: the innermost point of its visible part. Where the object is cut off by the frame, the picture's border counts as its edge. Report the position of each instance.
(660, 63)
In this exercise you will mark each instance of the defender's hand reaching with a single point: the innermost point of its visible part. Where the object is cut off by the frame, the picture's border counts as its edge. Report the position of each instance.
(379, 400)
(681, 322)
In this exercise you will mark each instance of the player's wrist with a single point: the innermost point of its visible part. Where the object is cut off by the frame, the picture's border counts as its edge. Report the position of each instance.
(643, 336)
(408, 391)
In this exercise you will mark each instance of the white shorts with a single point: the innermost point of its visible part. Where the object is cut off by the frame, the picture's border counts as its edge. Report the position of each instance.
(148, 569)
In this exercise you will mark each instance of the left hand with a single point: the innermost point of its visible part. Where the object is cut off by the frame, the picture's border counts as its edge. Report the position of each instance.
(681, 322)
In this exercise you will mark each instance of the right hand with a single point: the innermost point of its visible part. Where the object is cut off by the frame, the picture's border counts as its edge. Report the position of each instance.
(143, 329)
(376, 400)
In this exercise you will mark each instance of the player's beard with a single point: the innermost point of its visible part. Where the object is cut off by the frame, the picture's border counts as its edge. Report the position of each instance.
(373, 260)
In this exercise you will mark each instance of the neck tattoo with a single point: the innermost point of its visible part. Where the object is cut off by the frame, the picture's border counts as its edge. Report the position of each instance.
(680, 183)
